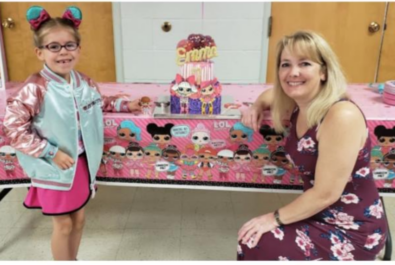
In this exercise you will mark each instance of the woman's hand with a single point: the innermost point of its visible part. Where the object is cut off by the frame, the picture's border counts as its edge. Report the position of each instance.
(250, 233)
(134, 105)
(252, 117)
(63, 160)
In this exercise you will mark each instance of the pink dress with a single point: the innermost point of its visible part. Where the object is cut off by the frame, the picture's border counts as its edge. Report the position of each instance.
(55, 202)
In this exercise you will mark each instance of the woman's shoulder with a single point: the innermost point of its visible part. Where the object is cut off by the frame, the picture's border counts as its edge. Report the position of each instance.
(344, 115)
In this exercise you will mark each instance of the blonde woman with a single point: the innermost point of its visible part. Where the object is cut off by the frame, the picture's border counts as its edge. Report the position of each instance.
(339, 216)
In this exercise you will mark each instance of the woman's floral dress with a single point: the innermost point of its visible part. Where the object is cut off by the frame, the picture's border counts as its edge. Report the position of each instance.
(353, 228)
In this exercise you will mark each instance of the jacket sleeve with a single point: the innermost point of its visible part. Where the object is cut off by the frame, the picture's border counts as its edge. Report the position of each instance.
(111, 103)
(20, 110)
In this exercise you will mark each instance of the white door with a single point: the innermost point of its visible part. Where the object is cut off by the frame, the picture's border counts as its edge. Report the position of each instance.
(145, 53)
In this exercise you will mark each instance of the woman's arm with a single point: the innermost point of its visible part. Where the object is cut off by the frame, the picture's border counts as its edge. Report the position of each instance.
(341, 136)
(253, 116)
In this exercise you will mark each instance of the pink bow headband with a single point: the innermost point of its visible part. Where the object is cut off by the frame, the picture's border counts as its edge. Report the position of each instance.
(37, 16)
(190, 79)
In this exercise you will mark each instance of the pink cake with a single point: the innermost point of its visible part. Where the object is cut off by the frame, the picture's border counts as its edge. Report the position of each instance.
(195, 89)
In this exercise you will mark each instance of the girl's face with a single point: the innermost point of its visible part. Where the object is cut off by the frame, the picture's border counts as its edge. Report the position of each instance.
(200, 138)
(152, 155)
(242, 158)
(300, 78)
(134, 155)
(63, 61)
(238, 136)
(260, 159)
(126, 135)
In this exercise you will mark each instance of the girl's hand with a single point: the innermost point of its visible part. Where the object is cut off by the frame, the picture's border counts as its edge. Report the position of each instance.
(252, 117)
(250, 233)
(63, 160)
(134, 105)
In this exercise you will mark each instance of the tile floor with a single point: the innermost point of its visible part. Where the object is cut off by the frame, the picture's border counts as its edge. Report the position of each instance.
(125, 223)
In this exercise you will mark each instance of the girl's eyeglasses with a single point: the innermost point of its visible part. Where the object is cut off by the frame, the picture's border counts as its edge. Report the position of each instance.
(56, 47)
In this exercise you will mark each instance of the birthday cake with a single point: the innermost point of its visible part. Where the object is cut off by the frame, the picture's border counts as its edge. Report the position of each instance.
(195, 89)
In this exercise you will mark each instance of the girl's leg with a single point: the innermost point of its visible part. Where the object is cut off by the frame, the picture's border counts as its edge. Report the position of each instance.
(78, 219)
(62, 228)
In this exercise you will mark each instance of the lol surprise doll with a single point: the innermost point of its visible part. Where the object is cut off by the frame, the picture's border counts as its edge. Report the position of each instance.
(135, 156)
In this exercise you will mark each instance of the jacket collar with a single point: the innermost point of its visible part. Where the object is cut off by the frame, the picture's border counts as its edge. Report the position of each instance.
(51, 76)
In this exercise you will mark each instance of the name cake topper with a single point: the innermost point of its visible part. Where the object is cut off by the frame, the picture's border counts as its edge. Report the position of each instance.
(196, 48)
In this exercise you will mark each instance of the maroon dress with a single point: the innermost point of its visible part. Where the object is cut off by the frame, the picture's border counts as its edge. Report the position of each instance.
(353, 228)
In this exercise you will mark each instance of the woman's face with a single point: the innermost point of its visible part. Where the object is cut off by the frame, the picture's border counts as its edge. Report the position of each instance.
(300, 77)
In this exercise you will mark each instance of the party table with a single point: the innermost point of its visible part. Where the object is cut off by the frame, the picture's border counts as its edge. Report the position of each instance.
(150, 149)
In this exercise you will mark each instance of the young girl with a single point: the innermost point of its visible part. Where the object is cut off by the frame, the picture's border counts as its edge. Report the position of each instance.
(55, 123)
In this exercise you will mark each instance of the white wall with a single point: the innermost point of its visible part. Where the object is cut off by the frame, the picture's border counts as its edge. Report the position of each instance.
(144, 53)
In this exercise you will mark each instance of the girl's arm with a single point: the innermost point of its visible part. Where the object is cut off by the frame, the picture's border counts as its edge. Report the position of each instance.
(341, 136)
(20, 110)
(117, 103)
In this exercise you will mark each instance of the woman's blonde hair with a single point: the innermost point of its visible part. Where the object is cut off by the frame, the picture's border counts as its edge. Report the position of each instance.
(313, 47)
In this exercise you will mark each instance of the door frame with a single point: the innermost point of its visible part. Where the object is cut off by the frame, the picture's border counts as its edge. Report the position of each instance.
(116, 14)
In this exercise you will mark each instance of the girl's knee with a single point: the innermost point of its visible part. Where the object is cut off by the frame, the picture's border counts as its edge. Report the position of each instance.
(63, 224)
(79, 222)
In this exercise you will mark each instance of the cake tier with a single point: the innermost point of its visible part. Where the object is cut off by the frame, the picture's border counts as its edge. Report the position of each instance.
(203, 71)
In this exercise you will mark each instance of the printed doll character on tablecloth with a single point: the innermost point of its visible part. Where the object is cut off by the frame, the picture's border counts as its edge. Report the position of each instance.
(189, 161)
(152, 155)
(145, 103)
(117, 157)
(260, 159)
(224, 161)
(242, 158)
(389, 164)
(182, 90)
(161, 136)
(172, 155)
(376, 163)
(104, 160)
(9, 161)
(207, 156)
(270, 137)
(280, 160)
(200, 136)
(135, 156)
(239, 134)
(128, 132)
(385, 138)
